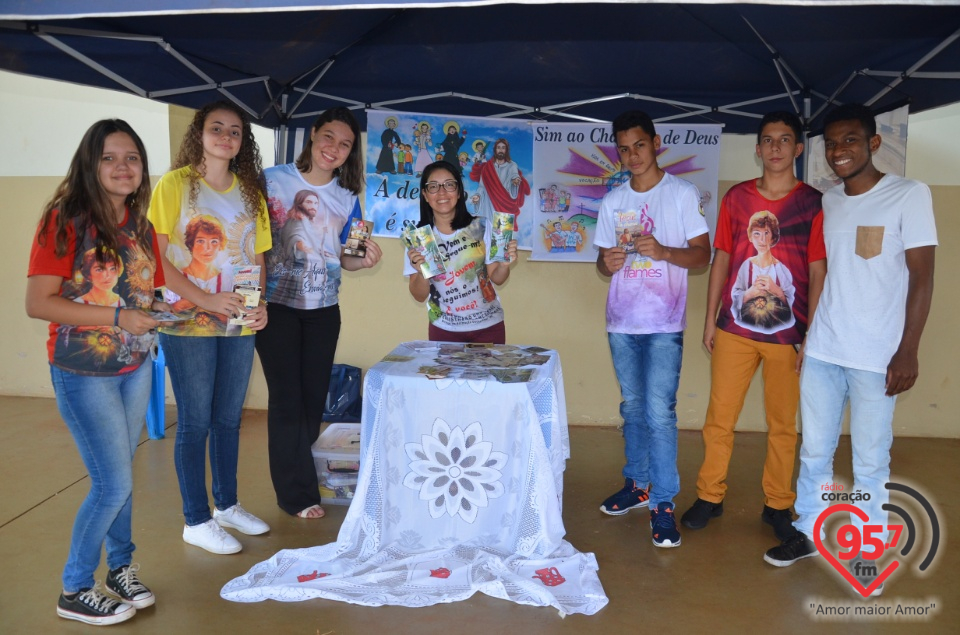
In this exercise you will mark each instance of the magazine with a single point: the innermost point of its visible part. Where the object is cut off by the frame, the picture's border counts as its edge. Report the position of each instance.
(356, 244)
(500, 237)
(423, 240)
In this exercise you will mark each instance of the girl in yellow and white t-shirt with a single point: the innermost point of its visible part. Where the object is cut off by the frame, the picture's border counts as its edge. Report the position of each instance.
(210, 217)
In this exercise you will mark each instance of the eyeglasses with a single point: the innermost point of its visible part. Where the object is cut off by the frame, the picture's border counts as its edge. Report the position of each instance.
(433, 187)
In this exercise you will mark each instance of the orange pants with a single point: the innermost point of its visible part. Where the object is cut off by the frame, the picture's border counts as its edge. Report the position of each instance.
(735, 360)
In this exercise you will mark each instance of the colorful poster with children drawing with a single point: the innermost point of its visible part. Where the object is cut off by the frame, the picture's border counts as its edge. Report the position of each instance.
(494, 157)
(577, 164)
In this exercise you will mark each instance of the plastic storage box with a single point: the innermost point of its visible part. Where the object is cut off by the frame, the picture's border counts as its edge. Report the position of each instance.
(336, 455)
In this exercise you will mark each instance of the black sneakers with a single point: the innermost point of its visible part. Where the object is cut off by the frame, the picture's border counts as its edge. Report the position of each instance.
(91, 606)
(125, 584)
(630, 497)
(663, 526)
(781, 520)
(700, 513)
(796, 547)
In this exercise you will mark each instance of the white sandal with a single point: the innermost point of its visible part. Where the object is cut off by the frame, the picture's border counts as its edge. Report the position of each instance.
(306, 513)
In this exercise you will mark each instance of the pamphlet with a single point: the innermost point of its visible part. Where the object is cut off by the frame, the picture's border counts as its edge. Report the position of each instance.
(512, 375)
(423, 240)
(435, 372)
(629, 227)
(500, 237)
(421, 346)
(356, 244)
(246, 282)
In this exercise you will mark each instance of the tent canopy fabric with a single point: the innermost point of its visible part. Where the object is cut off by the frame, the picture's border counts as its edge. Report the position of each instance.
(286, 61)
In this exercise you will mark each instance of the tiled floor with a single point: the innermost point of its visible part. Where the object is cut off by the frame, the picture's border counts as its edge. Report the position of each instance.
(716, 582)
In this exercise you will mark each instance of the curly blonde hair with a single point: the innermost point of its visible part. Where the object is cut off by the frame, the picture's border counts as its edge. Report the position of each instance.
(247, 165)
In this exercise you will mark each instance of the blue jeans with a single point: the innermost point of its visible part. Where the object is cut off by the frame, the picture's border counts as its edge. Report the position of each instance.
(209, 377)
(648, 369)
(105, 415)
(825, 389)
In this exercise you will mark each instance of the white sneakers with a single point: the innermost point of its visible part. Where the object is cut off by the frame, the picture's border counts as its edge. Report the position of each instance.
(211, 536)
(238, 518)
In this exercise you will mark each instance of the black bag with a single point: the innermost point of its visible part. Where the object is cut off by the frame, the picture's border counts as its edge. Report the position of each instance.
(343, 398)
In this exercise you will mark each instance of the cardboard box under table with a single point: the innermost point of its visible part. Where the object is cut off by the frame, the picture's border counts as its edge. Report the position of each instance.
(336, 455)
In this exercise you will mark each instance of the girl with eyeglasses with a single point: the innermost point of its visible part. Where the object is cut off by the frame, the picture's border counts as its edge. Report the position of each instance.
(462, 304)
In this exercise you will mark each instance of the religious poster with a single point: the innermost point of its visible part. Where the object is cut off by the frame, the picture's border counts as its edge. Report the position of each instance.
(577, 164)
(891, 158)
(493, 156)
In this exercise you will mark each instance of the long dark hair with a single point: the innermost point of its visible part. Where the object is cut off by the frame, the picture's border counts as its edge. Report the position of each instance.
(350, 174)
(461, 217)
(81, 198)
(247, 165)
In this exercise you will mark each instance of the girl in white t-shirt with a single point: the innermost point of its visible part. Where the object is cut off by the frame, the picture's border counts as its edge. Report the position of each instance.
(312, 203)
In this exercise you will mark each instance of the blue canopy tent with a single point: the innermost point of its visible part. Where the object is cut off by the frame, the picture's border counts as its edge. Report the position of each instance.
(285, 61)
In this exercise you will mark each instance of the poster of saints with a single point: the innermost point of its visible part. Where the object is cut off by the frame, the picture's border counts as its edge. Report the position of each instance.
(494, 157)
(578, 163)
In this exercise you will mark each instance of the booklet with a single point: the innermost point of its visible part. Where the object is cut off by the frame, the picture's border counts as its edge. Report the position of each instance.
(356, 244)
(629, 227)
(502, 234)
(246, 282)
(423, 240)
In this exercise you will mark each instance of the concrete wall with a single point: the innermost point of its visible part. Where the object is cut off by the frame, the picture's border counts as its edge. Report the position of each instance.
(560, 306)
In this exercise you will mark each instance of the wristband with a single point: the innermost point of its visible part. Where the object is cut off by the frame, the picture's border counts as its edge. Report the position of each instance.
(116, 317)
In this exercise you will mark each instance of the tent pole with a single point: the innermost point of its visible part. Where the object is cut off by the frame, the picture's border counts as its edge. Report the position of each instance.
(193, 89)
(316, 79)
(54, 42)
(284, 134)
(801, 165)
(910, 71)
(829, 100)
(168, 48)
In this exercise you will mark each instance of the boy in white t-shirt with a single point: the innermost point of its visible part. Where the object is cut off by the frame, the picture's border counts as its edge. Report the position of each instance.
(862, 346)
(646, 315)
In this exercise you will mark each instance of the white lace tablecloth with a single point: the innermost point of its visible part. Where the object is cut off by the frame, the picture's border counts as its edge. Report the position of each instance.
(459, 491)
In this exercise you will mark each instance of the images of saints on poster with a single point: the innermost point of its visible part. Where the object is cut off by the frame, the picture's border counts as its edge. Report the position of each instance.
(577, 164)
(468, 144)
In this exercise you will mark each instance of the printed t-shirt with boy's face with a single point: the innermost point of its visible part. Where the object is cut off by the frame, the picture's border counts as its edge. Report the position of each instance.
(213, 236)
(765, 296)
(129, 277)
(649, 296)
(463, 298)
(310, 224)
